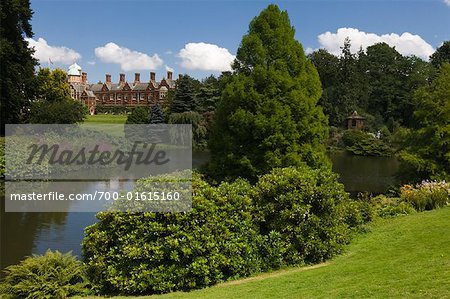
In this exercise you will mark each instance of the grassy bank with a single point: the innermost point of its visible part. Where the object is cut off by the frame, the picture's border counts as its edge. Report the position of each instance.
(405, 257)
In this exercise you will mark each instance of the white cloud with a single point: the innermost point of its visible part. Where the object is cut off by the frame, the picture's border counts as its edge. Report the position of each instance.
(44, 52)
(168, 68)
(91, 62)
(447, 2)
(128, 60)
(309, 50)
(205, 57)
(406, 44)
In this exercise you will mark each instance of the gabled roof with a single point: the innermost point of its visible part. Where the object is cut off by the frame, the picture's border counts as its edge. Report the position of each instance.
(154, 84)
(126, 86)
(88, 93)
(171, 83)
(78, 87)
(96, 87)
(140, 86)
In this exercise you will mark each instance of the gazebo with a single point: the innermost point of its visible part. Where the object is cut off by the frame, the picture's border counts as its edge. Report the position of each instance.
(355, 121)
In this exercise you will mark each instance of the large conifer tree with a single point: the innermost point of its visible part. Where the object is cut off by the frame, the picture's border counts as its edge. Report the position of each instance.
(184, 99)
(268, 116)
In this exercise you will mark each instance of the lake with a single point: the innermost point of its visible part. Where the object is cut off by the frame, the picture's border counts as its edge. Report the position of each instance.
(23, 234)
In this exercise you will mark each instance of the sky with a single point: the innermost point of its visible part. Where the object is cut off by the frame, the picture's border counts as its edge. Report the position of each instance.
(201, 37)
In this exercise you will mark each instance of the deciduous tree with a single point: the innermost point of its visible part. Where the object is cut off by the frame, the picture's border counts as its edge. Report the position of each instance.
(17, 82)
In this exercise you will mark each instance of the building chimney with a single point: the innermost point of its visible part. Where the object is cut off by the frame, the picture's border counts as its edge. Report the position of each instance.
(122, 78)
(108, 78)
(180, 76)
(152, 76)
(83, 77)
(169, 75)
(137, 78)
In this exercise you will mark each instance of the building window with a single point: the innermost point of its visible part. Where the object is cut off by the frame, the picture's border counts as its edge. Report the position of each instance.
(163, 92)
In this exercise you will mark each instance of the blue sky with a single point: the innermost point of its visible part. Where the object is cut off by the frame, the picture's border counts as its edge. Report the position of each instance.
(201, 37)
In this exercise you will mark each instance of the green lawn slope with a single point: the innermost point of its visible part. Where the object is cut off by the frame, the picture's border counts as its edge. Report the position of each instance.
(405, 257)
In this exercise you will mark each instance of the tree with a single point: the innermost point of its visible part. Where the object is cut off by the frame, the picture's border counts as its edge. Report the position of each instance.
(208, 95)
(428, 149)
(199, 130)
(268, 115)
(17, 82)
(184, 99)
(54, 104)
(441, 55)
(156, 114)
(138, 115)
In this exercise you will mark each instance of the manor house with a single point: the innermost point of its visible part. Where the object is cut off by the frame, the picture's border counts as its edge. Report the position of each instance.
(122, 93)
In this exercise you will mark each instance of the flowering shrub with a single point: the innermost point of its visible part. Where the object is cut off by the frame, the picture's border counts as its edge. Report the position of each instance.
(391, 206)
(427, 195)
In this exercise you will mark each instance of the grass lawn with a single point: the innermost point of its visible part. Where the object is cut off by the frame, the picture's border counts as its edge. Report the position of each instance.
(107, 123)
(405, 257)
(106, 119)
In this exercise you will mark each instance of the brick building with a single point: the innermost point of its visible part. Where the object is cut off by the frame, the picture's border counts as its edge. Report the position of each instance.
(120, 94)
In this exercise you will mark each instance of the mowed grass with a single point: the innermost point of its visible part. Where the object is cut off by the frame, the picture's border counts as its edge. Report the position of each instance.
(405, 257)
(106, 123)
(106, 119)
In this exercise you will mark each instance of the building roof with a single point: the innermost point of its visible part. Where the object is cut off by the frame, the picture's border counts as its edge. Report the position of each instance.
(97, 87)
(78, 87)
(74, 70)
(90, 94)
(140, 86)
(355, 115)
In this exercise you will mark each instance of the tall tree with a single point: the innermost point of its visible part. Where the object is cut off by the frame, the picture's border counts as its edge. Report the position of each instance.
(268, 115)
(441, 55)
(428, 151)
(156, 114)
(17, 84)
(208, 95)
(184, 99)
(54, 104)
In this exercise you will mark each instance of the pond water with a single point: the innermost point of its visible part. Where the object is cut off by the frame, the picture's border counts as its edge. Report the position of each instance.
(23, 234)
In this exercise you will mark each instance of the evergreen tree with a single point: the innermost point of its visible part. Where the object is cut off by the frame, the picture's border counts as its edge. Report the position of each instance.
(268, 115)
(208, 95)
(17, 83)
(184, 99)
(156, 115)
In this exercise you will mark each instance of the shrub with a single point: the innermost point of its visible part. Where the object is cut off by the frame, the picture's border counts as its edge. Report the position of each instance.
(301, 205)
(65, 111)
(427, 195)
(138, 115)
(161, 252)
(391, 206)
(52, 275)
(363, 144)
